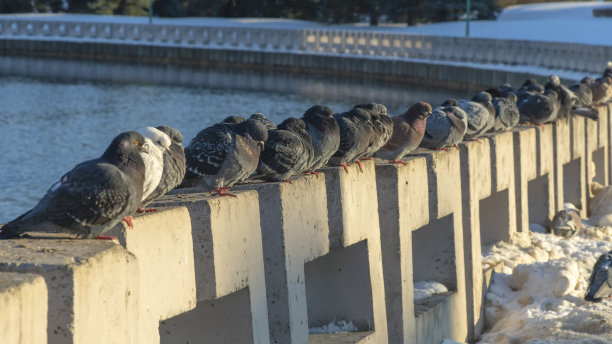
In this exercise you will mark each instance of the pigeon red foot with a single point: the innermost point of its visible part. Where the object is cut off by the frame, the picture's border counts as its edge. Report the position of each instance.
(313, 172)
(366, 158)
(442, 149)
(287, 181)
(345, 167)
(475, 140)
(111, 238)
(223, 191)
(398, 162)
(128, 220)
(360, 166)
(143, 210)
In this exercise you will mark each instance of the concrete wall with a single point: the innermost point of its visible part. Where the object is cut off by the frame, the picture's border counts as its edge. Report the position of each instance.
(280, 258)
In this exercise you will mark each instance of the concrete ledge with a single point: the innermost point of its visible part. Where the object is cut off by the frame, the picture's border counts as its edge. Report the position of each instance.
(92, 287)
(23, 301)
(223, 237)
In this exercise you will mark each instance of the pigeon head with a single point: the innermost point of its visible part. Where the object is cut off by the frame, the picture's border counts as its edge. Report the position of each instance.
(494, 92)
(608, 71)
(126, 148)
(482, 97)
(587, 80)
(158, 137)
(318, 110)
(512, 97)
(554, 80)
(530, 82)
(374, 109)
(420, 110)
(450, 102)
(257, 131)
(292, 124)
(263, 120)
(173, 133)
(233, 119)
(360, 114)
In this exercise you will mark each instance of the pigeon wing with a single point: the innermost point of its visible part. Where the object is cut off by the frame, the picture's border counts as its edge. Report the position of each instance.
(208, 150)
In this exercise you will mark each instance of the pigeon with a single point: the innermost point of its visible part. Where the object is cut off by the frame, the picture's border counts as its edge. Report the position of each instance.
(583, 92)
(233, 119)
(159, 143)
(93, 197)
(502, 91)
(408, 131)
(480, 115)
(223, 155)
(602, 90)
(355, 134)
(540, 108)
(600, 283)
(174, 165)
(287, 151)
(506, 113)
(529, 88)
(382, 126)
(567, 98)
(324, 134)
(566, 223)
(445, 127)
(263, 120)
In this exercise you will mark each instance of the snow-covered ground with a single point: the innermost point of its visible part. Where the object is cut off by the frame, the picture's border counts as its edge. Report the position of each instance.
(539, 297)
(335, 327)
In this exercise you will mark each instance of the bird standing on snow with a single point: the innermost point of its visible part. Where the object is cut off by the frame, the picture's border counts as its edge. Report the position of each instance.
(223, 155)
(600, 283)
(93, 197)
(159, 143)
(566, 222)
(355, 134)
(287, 151)
(324, 134)
(445, 127)
(174, 165)
(408, 132)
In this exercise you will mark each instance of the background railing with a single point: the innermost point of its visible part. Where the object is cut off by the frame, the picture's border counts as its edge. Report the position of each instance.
(327, 41)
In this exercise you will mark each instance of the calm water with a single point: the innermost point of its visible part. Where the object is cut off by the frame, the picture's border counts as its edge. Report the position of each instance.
(48, 127)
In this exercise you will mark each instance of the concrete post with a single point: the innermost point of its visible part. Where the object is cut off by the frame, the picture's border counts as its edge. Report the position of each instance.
(23, 301)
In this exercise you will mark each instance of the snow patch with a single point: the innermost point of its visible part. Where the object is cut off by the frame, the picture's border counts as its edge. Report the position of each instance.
(341, 326)
(425, 289)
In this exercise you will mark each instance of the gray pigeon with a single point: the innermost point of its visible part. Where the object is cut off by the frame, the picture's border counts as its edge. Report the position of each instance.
(324, 134)
(382, 126)
(263, 120)
(445, 127)
(174, 165)
(287, 151)
(566, 223)
(233, 119)
(355, 134)
(506, 112)
(480, 115)
(583, 92)
(223, 155)
(529, 88)
(408, 131)
(502, 91)
(540, 108)
(93, 197)
(600, 283)
(602, 90)
(567, 98)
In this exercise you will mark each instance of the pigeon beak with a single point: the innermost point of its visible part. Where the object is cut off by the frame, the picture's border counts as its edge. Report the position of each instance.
(144, 148)
(260, 144)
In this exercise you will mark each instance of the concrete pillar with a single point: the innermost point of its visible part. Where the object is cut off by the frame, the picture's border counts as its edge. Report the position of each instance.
(295, 231)
(92, 287)
(163, 245)
(23, 301)
(562, 157)
(438, 252)
(578, 149)
(354, 233)
(224, 239)
(403, 206)
(596, 154)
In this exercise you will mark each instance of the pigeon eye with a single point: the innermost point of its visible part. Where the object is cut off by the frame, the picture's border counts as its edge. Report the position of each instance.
(136, 142)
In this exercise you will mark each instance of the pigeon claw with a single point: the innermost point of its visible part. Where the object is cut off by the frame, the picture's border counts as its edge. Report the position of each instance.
(345, 167)
(456, 146)
(313, 172)
(398, 162)
(128, 220)
(143, 210)
(105, 237)
(442, 149)
(360, 165)
(366, 158)
(286, 181)
(476, 140)
(223, 191)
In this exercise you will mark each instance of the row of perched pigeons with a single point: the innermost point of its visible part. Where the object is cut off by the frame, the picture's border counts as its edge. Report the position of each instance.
(140, 166)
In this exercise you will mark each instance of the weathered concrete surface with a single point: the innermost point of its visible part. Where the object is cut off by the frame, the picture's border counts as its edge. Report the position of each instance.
(439, 259)
(402, 208)
(354, 233)
(596, 151)
(23, 305)
(162, 243)
(92, 287)
(224, 239)
(578, 149)
(342, 338)
(294, 231)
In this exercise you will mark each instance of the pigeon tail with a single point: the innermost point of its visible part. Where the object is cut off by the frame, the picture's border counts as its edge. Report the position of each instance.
(589, 112)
